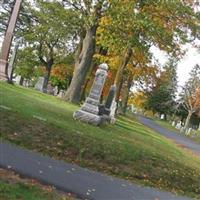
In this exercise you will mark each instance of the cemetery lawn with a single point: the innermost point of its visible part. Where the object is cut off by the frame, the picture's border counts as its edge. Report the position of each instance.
(128, 149)
(167, 125)
(13, 187)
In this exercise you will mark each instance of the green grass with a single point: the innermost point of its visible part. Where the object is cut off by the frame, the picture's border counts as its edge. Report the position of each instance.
(167, 125)
(15, 187)
(127, 149)
(19, 191)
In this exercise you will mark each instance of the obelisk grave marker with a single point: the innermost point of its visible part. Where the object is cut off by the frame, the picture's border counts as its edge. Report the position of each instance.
(89, 112)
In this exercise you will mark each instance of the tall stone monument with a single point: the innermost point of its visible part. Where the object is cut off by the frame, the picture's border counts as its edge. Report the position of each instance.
(89, 112)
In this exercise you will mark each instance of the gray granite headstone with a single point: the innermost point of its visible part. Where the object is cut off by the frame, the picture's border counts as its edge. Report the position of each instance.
(50, 89)
(26, 83)
(55, 91)
(18, 80)
(40, 84)
(89, 112)
(61, 94)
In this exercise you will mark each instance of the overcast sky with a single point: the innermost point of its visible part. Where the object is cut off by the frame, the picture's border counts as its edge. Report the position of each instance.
(191, 58)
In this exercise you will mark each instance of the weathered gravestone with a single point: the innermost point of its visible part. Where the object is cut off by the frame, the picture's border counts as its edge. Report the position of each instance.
(89, 112)
(179, 125)
(18, 80)
(40, 84)
(50, 89)
(26, 83)
(55, 91)
(113, 111)
(61, 94)
(173, 123)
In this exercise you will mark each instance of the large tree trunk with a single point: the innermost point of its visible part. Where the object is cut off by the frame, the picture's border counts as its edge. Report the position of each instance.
(117, 96)
(80, 46)
(126, 93)
(82, 66)
(187, 122)
(84, 89)
(47, 75)
(118, 78)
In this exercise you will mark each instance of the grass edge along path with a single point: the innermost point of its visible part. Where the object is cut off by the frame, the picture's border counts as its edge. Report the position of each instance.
(14, 187)
(127, 149)
(168, 126)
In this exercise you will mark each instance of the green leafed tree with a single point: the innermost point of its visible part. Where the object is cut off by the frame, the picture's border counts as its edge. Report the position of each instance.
(131, 25)
(26, 61)
(161, 98)
(51, 32)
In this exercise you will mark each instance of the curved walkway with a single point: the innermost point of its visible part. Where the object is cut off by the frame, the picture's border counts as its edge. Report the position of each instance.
(179, 139)
(86, 184)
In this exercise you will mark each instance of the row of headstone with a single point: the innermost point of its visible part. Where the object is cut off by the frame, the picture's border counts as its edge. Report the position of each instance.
(40, 86)
(92, 111)
(180, 127)
(50, 89)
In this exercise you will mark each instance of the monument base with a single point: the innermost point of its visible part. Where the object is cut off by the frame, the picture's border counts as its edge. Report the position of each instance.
(87, 117)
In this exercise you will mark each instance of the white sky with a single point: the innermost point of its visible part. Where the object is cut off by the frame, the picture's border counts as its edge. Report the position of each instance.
(185, 65)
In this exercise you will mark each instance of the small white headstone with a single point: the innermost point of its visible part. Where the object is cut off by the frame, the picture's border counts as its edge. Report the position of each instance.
(188, 132)
(173, 123)
(112, 112)
(162, 116)
(179, 126)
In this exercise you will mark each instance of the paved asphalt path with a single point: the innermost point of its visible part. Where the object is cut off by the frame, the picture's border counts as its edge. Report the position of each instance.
(179, 139)
(86, 184)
